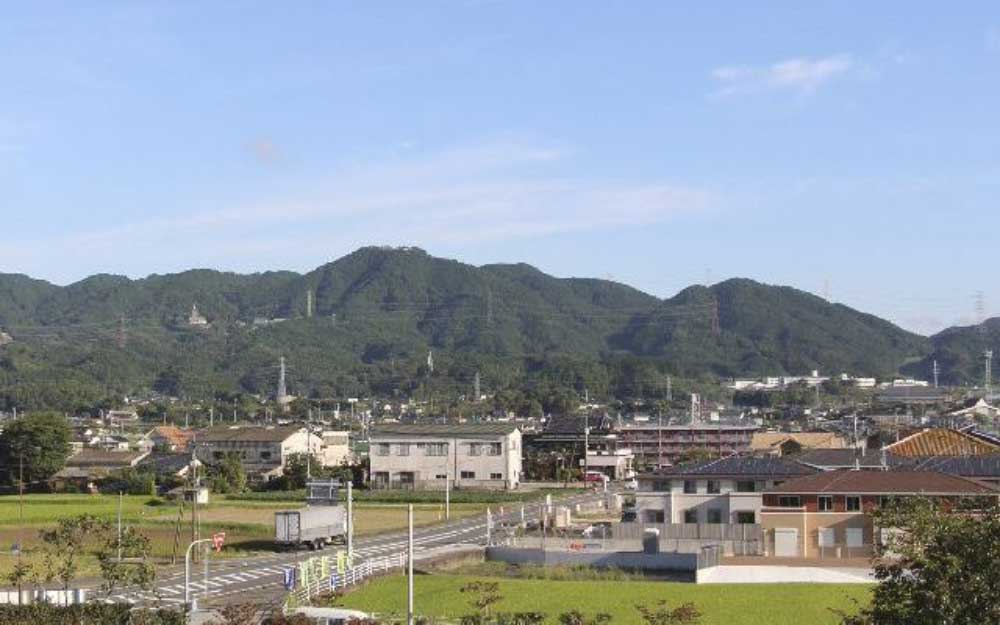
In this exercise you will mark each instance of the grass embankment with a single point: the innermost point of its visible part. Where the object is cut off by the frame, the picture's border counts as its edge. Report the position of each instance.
(249, 525)
(749, 604)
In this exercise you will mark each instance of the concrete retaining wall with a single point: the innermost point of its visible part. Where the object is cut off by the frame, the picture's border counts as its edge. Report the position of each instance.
(684, 562)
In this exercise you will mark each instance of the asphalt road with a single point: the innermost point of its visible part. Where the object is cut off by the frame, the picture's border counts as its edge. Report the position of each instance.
(259, 579)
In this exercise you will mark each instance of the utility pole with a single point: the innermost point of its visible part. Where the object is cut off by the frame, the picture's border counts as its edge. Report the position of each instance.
(350, 520)
(447, 497)
(121, 495)
(409, 566)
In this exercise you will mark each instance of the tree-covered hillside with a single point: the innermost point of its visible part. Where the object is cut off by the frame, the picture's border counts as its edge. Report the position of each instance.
(378, 311)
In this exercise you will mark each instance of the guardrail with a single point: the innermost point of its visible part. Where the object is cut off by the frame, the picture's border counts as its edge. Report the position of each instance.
(303, 590)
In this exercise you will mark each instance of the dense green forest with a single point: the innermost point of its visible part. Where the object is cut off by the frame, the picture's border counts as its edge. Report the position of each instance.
(377, 312)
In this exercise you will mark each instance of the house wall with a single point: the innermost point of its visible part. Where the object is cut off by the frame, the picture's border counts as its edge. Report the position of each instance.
(430, 471)
(673, 501)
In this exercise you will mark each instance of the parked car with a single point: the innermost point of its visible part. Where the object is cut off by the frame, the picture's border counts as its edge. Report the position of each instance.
(595, 477)
(632, 484)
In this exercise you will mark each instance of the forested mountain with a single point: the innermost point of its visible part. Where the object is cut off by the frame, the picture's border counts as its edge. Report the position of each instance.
(959, 353)
(378, 311)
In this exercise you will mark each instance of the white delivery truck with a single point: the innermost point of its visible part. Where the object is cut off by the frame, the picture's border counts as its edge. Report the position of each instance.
(322, 522)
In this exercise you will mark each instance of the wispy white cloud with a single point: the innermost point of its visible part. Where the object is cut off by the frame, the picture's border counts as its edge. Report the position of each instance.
(496, 191)
(800, 75)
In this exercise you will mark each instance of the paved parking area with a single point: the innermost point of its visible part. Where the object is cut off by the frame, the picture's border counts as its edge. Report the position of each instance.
(776, 574)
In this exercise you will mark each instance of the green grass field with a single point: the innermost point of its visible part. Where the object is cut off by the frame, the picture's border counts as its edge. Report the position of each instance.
(750, 604)
(249, 525)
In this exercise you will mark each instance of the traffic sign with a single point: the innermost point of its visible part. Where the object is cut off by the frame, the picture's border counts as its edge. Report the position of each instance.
(217, 539)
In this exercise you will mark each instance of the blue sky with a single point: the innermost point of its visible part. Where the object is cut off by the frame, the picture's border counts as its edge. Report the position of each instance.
(837, 147)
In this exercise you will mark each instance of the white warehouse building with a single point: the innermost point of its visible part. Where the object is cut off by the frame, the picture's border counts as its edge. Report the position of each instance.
(471, 455)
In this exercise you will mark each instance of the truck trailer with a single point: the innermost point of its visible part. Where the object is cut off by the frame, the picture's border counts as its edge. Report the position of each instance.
(313, 527)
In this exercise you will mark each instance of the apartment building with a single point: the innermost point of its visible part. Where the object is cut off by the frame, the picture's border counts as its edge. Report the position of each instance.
(724, 491)
(473, 455)
(656, 445)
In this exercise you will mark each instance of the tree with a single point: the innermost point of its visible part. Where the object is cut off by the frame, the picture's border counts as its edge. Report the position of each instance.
(575, 617)
(18, 574)
(661, 614)
(943, 567)
(65, 543)
(38, 442)
(229, 476)
(485, 595)
(133, 569)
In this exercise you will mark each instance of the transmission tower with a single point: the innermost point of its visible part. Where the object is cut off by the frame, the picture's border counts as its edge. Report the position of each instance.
(714, 317)
(309, 303)
(476, 391)
(937, 372)
(988, 373)
(121, 336)
(282, 389)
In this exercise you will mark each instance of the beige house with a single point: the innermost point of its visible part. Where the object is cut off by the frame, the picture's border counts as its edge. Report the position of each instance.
(785, 443)
(336, 448)
(263, 450)
(474, 455)
(828, 514)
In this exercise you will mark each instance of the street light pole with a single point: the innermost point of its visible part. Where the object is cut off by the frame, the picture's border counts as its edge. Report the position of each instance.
(187, 570)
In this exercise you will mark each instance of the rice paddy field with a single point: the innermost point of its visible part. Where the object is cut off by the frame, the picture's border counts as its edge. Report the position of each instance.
(249, 525)
(440, 596)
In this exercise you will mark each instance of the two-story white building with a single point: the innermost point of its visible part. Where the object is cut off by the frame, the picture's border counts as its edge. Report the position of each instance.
(728, 490)
(470, 455)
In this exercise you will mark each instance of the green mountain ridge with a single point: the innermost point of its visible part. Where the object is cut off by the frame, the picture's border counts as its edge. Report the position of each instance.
(378, 311)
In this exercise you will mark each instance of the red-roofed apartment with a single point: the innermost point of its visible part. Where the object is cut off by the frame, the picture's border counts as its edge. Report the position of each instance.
(826, 514)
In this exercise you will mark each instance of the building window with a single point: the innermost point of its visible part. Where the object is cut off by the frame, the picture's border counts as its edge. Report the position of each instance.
(852, 504)
(746, 518)
(403, 449)
(495, 449)
(789, 501)
(713, 487)
(436, 449)
(382, 449)
(691, 516)
(690, 487)
(714, 515)
(265, 455)
(746, 486)
(653, 516)
(468, 475)
(824, 503)
(661, 486)
(475, 449)
(440, 476)
(496, 476)
(218, 455)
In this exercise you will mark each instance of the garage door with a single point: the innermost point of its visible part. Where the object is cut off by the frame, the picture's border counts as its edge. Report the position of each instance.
(786, 542)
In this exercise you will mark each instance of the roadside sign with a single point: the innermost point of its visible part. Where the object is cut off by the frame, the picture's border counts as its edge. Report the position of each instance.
(218, 539)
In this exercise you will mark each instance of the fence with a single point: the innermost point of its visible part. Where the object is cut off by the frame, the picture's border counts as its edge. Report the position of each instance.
(742, 539)
(55, 597)
(304, 589)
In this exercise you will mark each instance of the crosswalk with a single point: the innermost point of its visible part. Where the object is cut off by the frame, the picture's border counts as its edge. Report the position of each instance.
(266, 572)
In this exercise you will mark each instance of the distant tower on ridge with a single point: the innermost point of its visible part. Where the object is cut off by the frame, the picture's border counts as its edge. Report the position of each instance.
(282, 389)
